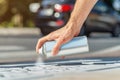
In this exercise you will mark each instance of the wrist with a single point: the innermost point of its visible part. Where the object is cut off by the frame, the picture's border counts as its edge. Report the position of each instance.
(73, 27)
(74, 23)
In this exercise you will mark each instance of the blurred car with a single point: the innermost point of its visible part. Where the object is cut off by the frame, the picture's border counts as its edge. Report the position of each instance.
(103, 18)
(53, 14)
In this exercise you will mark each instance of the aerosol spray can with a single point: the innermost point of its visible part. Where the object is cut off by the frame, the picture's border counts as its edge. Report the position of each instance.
(76, 46)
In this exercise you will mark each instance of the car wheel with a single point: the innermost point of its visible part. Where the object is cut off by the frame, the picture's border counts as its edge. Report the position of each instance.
(82, 32)
(116, 31)
(47, 30)
(88, 34)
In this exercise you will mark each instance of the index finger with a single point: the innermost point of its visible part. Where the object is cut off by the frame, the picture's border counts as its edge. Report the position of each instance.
(40, 43)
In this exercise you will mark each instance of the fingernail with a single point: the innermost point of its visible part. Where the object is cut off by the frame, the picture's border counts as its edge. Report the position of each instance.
(39, 51)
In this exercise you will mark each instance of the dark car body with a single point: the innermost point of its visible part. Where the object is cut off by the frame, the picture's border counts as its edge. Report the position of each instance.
(54, 14)
(103, 18)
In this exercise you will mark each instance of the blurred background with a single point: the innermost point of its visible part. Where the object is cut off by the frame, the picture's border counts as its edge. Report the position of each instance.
(17, 13)
(51, 15)
(23, 22)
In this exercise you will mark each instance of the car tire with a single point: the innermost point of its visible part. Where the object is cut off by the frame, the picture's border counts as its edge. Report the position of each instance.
(82, 31)
(116, 31)
(87, 34)
(47, 30)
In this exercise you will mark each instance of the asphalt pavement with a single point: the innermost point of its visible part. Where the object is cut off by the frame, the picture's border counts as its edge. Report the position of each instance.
(18, 46)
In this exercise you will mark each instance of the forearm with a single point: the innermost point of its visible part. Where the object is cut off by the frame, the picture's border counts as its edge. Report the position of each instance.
(80, 12)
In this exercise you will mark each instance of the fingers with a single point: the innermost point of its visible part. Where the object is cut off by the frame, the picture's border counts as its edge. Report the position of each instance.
(57, 46)
(59, 43)
(40, 43)
(49, 37)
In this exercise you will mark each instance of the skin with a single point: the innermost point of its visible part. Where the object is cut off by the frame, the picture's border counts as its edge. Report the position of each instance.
(79, 14)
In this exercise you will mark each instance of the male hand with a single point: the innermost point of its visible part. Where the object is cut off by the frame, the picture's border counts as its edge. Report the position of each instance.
(61, 36)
